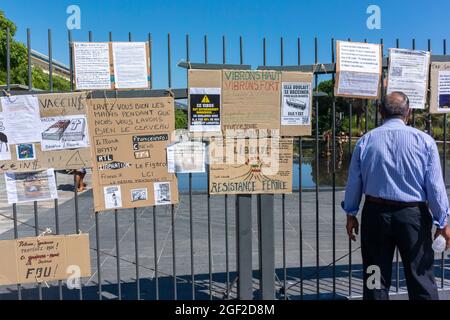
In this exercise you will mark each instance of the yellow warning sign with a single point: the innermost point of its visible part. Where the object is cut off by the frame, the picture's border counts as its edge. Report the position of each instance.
(205, 99)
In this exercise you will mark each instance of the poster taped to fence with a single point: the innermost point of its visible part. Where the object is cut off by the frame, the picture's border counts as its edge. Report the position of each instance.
(91, 65)
(44, 259)
(358, 70)
(21, 118)
(250, 166)
(408, 73)
(71, 151)
(296, 103)
(186, 157)
(131, 65)
(251, 100)
(30, 186)
(440, 87)
(129, 138)
(204, 109)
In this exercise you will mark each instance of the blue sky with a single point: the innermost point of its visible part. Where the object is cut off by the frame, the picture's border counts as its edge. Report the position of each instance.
(252, 20)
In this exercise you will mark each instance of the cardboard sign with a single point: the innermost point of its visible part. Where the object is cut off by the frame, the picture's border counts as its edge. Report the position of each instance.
(69, 151)
(250, 166)
(201, 83)
(111, 65)
(358, 70)
(128, 140)
(45, 258)
(251, 99)
(296, 104)
(440, 87)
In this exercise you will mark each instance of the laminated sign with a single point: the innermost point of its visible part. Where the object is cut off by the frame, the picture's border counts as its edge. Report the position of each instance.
(204, 104)
(250, 166)
(358, 70)
(129, 140)
(44, 131)
(440, 87)
(44, 258)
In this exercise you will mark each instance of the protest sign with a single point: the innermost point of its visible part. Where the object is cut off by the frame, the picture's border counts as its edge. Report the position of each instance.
(30, 186)
(204, 111)
(251, 99)
(296, 102)
(250, 166)
(440, 87)
(63, 142)
(128, 140)
(131, 65)
(408, 73)
(358, 70)
(44, 258)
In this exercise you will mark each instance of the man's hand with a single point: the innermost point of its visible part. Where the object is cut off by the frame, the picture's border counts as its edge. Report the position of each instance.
(353, 225)
(443, 232)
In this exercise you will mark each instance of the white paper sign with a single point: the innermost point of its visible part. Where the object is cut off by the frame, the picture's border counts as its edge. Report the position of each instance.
(186, 157)
(295, 107)
(444, 90)
(92, 65)
(64, 132)
(408, 73)
(30, 186)
(113, 197)
(21, 114)
(359, 67)
(130, 65)
(162, 193)
(5, 152)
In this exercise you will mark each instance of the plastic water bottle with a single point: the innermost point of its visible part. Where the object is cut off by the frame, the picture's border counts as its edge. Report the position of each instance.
(439, 244)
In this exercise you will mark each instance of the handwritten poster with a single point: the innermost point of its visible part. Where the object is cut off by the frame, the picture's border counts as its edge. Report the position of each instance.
(91, 65)
(21, 114)
(243, 166)
(358, 70)
(61, 115)
(440, 87)
(251, 99)
(30, 186)
(129, 138)
(408, 73)
(130, 65)
(44, 258)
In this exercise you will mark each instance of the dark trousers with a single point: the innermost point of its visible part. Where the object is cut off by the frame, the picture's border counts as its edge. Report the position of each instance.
(384, 227)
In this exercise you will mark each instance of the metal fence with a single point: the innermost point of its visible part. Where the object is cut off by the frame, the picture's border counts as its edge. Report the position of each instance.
(217, 247)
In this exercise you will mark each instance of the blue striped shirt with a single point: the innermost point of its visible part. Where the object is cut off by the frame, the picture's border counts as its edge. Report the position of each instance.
(397, 162)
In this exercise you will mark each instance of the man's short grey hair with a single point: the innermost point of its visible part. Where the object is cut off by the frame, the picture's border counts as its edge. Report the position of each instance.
(396, 105)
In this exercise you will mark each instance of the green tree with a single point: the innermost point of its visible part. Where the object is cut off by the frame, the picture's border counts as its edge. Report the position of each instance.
(19, 62)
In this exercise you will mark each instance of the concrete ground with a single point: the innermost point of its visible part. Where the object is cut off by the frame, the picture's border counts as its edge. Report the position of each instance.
(347, 283)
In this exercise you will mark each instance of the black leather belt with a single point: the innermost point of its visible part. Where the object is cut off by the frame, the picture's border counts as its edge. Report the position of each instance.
(394, 203)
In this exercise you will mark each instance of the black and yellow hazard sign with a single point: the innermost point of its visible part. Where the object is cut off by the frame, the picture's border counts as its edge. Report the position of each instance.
(204, 109)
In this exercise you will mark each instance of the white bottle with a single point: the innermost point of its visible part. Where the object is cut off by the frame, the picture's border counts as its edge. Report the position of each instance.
(439, 244)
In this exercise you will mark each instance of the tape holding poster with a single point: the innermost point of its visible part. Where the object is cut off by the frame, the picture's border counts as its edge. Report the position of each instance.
(440, 87)
(44, 258)
(251, 166)
(63, 140)
(358, 70)
(129, 140)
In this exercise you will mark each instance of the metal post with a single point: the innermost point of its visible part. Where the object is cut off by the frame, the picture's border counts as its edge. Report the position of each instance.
(244, 245)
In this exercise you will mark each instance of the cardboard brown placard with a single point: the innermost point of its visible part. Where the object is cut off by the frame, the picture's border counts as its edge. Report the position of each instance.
(52, 105)
(338, 70)
(248, 176)
(128, 142)
(44, 258)
(435, 67)
(203, 79)
(300, 130)
(251, 99)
